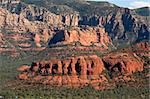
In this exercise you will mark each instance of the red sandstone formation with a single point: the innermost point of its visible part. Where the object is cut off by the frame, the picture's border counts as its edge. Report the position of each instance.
(29, 23)
(23, 76)
(22, 23)
(41, 32)
(23, 68)
(89, 36)
(81, 71)
(142, 45)
(77, 71)
(46, 35)
(37, 40)
(123, 62)
(1, 39)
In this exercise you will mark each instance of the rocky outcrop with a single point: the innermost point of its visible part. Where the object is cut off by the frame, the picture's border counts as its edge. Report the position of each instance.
(36, 30)
(124, 26)
(126, 63)
(86, 37)
(18, 23)
(37, 40)
(89, 28)
(41, 32)
(75, 71)
(144, 46)
(34, 13)
(23, 68)
(82, 70)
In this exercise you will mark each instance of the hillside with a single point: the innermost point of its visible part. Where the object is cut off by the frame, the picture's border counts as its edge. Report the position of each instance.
(44, 18)
(80, 6)
(143, 11)
(73, 49)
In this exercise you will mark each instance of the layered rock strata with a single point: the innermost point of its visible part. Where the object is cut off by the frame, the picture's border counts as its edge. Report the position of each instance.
(86, 37)
(77, 71)
(126, 63)
(80, 71)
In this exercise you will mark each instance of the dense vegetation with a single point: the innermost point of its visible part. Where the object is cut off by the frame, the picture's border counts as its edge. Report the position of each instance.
(47, 92)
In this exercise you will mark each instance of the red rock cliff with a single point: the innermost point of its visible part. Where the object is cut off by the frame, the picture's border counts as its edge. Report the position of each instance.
(78, 70)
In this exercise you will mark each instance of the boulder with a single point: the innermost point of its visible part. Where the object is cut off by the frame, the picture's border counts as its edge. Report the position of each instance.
(23, 68)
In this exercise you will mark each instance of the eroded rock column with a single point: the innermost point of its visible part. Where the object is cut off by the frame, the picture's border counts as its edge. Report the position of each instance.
(59, 67)
(73, 62)
(66, 64)
(83, 65)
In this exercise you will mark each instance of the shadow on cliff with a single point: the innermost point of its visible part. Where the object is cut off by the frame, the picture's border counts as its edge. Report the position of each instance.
(58, 37)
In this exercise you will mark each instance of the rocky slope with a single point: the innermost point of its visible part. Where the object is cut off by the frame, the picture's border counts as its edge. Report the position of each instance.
(79, 71)
(86, 37)
(40, 32)
(143, 11)
(124, 26)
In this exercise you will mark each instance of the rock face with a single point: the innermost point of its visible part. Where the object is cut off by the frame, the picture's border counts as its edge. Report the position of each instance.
(123, 25)
(80, 71)
(86, 37)
(126, 63)
(75, 71)
(34, 13)
(40, 31)
(142, 45)
(18, 23)
(127, 27)
(37, 40)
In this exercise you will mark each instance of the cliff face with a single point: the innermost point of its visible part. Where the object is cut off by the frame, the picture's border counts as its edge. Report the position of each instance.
(40, 31)
(18, 23)
(19, 29)
(75, 71)
(81, 70)
(127, 27)
(41, 14)
(123, 26)
(124, 62)
(86, 37)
